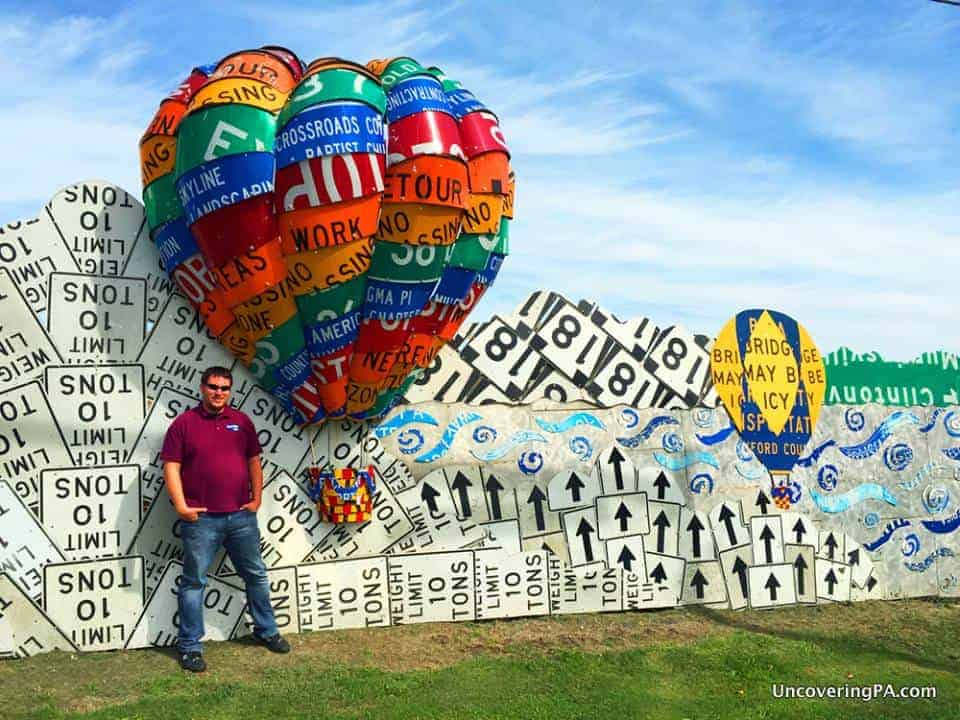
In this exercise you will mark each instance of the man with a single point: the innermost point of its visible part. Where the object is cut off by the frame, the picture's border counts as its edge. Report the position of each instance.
(211, 465)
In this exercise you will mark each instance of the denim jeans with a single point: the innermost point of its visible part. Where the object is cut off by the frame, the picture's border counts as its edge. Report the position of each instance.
(239, 534)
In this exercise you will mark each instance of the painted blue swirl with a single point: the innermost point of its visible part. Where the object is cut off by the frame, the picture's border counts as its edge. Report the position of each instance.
(518, 438)
(410, 441)
(879, 436)
(717, 437)
(572, 421)
(854, 419)
(581, 447)
(703, 417)
(530, 462)
(484, 434)
(449, 435)
(951, 582)
(827, 478)
(671, 442)
(814, 456)
(679, 462)
(931, 423)
(951, 423)
(748, 472)
(871, 519)
(795, 491)
(887, 533)
(404, 417)
(701, 482)
(744, 452)
(918, 477)
(643, 435)
(952, 453)
(910, 545)
(936, 499)
(898, 457)
(929, 560)
(629, 418)
(862, 492)
(942, 527)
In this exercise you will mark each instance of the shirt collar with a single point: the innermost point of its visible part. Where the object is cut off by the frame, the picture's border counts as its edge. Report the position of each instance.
(211, 416)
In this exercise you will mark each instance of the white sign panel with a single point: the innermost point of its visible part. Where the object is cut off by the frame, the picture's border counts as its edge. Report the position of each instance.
(283, 600)
(641, 593)
(95, 602)
(25, 630)
(666, 570)
(100, 409)
(511, 585)
(735, 563)
(803, 560)
(535, 516)
(622, 515)
(585, 590)
(434, 518)
(95, 318)
(664, 534)
(703, 584)
(91, 512)
(627, 553)
(30, 440)
(616, 472)
(25, 347)
(435, 587)
(99, 222)
(144, 262)
(766, 532)
(503, 535)
(24, 547)
(727, 524)
(580, 529)
(696, 540)
(571, 488)
(343, 594)
(833, 581)
(772, 586)
(31, 250)
(661, 484)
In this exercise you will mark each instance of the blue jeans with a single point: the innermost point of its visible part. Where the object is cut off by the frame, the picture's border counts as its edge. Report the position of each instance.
(239, 534)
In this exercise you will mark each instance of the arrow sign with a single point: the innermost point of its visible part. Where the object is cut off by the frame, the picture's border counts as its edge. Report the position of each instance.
(831, 542)
(801, 565)
(726, 517)
(460, 484)
(799, 529)
(584, 530)
(623, 514)
(694, 527)
(493, 488)
(767, 536)
(536, 498)
(772, 585)
(698, 583)
(762, 502)
(831, 580)
(661, 484)
(740, 569)
(659, 574)
(616, 459)
(574, 485)
(853, 557)
(429, 495)
(626, 558)
(661, 523)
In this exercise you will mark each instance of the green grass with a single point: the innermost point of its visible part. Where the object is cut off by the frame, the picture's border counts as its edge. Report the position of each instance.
(721, 665)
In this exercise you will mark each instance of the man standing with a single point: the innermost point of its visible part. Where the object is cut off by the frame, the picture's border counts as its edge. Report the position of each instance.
(211, 465)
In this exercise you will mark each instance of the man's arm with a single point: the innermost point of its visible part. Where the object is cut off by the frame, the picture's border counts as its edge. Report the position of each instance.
(171, 476)
(256, 483)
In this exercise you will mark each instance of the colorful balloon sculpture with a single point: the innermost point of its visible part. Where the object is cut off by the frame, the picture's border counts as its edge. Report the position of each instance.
(332, 224)
(770, 377)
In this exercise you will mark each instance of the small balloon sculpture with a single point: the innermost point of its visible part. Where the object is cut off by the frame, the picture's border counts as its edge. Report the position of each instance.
(333, 224)
(771, 379)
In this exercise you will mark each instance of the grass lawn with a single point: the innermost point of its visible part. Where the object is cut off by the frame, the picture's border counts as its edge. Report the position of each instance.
(682, 663)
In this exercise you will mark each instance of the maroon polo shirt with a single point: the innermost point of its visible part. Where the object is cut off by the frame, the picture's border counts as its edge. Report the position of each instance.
(213, 452)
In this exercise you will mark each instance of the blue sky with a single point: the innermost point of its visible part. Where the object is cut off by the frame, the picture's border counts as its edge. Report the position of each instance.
(679, 160)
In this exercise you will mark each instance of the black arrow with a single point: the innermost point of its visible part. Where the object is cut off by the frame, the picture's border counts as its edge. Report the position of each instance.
(871, 582)
(772, 585)
(494, 487)
(767, 536)
(537, 497)
(740, 568)
(831, 579)
(460, 483)
(699, 582)
(547, 548)
(831, 543)
(616, 459)
(659, 574)
(626, 558)
(429, 495)
(726, 517)
(853, 557)
(762, 502)
(584, 530)
(661, 484)
(800, 529)
(694, 527)
(661, 523)
(574, 485)
(801, 565)
(622, 514)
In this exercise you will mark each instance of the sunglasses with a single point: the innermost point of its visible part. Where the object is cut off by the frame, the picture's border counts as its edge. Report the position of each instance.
(221, 388)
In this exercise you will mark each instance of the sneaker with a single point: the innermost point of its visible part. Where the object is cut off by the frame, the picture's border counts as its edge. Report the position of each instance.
(193, 661)
(275, 643)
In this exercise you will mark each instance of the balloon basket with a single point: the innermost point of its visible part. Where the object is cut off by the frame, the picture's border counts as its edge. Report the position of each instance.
(343, 495)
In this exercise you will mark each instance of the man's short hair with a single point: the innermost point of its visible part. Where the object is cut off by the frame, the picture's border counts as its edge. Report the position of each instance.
(216, 371)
